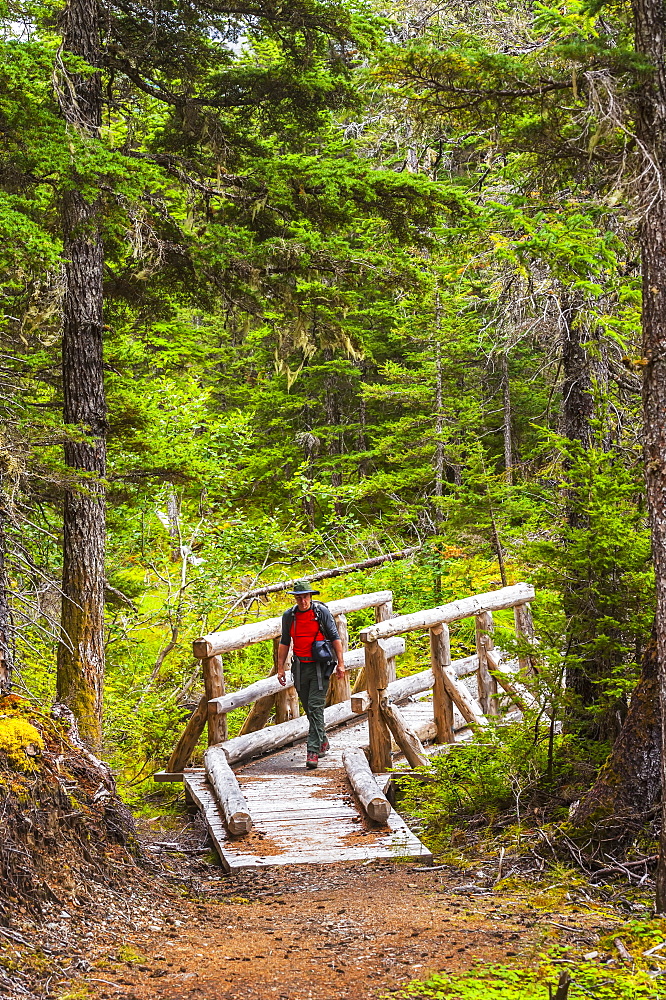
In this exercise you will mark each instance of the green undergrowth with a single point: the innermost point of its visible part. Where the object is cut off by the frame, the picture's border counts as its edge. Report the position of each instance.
(504, 782)
(500, 982)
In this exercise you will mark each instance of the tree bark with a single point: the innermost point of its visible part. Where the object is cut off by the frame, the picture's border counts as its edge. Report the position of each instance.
(577, 399)
(506, 427)
(650, 41)
(629, 785)
(6, 624)
(80, 671)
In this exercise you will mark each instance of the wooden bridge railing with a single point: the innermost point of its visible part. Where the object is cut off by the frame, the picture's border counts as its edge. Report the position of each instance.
(381, 644)
(264, 694)
(384, 720)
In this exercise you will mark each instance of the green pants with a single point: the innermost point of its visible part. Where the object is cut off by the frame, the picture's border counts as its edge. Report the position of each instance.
(313, 702)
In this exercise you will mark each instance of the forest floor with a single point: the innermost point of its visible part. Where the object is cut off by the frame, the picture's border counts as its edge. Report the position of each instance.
(185, 930)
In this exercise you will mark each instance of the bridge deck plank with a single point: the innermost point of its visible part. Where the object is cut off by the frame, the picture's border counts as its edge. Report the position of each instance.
(308, 817)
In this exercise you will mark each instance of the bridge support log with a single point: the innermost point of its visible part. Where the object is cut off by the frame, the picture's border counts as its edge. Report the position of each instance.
(369, 794)
(286, 699)
(487, 685)
(440, 660)
(339, 688)
(522, 616)
(213, 673)
(376, 672)
(383, 612)
(187, 742)
(495, 667)
(227, 791)
(403, 735)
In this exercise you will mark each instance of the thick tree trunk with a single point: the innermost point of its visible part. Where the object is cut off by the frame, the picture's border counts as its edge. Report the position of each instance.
(81, 652)
(650, 35)
(6, 624)
(615, 809)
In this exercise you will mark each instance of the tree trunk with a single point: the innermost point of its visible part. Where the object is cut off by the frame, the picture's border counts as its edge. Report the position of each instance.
(81, 652)
(577, 399)
(506, 428)
(577, 413)
(650, 37)
(332, 411)
(439, 418)
(615, 809)
(6, 624)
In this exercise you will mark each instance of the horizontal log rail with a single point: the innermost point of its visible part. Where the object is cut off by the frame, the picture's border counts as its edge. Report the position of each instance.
(245, 635)
(383, 722)
(496, 600)
(271, 685)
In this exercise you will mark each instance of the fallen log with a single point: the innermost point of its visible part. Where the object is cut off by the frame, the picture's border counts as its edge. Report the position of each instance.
(369, 794)
(326, 574)
(227, 791)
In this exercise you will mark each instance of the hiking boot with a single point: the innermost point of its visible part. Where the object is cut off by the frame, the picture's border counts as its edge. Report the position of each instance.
(312, 760)
(325, 747)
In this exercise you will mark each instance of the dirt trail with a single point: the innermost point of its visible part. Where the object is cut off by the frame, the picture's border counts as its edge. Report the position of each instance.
(329, 932)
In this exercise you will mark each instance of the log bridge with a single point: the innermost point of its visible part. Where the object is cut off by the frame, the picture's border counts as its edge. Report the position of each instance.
(260, 804)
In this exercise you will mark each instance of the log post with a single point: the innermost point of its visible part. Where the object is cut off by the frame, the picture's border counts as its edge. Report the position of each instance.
(495, 667)
(522, 615)
(213, 674)
(440, 660)
(486, 682)
(339, 688)
(376, 672)
(187, 742)
(286, 702)
(382, 614)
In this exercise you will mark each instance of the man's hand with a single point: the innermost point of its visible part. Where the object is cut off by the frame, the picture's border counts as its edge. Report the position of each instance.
(340, 671)
(282, 679)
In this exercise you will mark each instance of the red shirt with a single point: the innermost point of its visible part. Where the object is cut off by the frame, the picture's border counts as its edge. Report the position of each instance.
(304, 631)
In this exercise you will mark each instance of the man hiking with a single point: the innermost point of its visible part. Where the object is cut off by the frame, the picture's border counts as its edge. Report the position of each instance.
(310, 622)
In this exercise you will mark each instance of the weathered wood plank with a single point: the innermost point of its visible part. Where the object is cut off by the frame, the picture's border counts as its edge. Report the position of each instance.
(496, 600)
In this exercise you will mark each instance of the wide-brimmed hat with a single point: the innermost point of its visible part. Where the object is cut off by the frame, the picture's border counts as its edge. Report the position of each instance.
(302, 587)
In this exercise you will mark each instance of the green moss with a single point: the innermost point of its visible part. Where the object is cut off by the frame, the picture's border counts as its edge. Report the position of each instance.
(20, 742)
